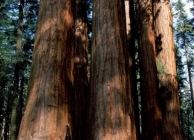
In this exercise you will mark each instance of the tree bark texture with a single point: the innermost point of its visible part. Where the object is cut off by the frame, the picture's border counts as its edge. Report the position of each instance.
(47, 114)
(151, 114)
(81, 83)
(110, 108)
(168, 85)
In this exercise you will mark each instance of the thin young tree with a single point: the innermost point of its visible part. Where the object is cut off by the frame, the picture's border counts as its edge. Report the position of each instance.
(48, 110)
(166, 61)
(151, 113)
(110, 110)
(17, 94)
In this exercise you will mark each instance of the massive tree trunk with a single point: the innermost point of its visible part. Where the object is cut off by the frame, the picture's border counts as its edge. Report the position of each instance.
(81, 83)
(168, 85)
(151, 114)
(129, 11)
(110, 108)
(48, 111)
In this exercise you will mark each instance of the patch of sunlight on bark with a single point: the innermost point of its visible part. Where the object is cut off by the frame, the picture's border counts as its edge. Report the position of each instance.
(67, 17)
(48, 24)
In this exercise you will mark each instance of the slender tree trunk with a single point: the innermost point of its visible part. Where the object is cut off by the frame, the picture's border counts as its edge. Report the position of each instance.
(129, 10)
(2, 129)
(110, 110)
(168, 85)
(48, 110)
(7, 116)
(20, 103)
(13, 124)
(188, 124)
(151, 114)
(80, 73)
(7, 132)
(182, 114)
(14, 114)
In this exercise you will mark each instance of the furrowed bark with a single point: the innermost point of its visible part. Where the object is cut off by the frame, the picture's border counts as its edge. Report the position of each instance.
(168, 85)
(48, 109)
(110, 108)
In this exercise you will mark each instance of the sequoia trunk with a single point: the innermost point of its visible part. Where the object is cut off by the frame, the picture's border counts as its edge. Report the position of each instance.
(48, 111)
(168, 85)
(151, 114)
(110, 109)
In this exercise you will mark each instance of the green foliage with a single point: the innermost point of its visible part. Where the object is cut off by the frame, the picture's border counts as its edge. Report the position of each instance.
(184, 56)
(160, 66)
(8, 58)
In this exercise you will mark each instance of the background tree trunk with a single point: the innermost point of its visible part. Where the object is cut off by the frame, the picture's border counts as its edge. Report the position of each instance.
(168, 85)
(151, 114)
(48, 110)
(15, 121)
(110, 110)
(188, 60)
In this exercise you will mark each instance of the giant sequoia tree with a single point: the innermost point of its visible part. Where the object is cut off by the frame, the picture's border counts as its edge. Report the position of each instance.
(47, 114)
(168, 85)
(110, 108)
(58, 103)
(151, 114)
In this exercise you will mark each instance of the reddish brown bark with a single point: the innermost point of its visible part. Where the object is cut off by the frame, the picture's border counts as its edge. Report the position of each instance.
(110, 108)
(48, 111)
(151, 114)
(168, 83)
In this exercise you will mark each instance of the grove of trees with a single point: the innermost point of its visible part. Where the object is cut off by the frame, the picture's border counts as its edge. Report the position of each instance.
(96, 70)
